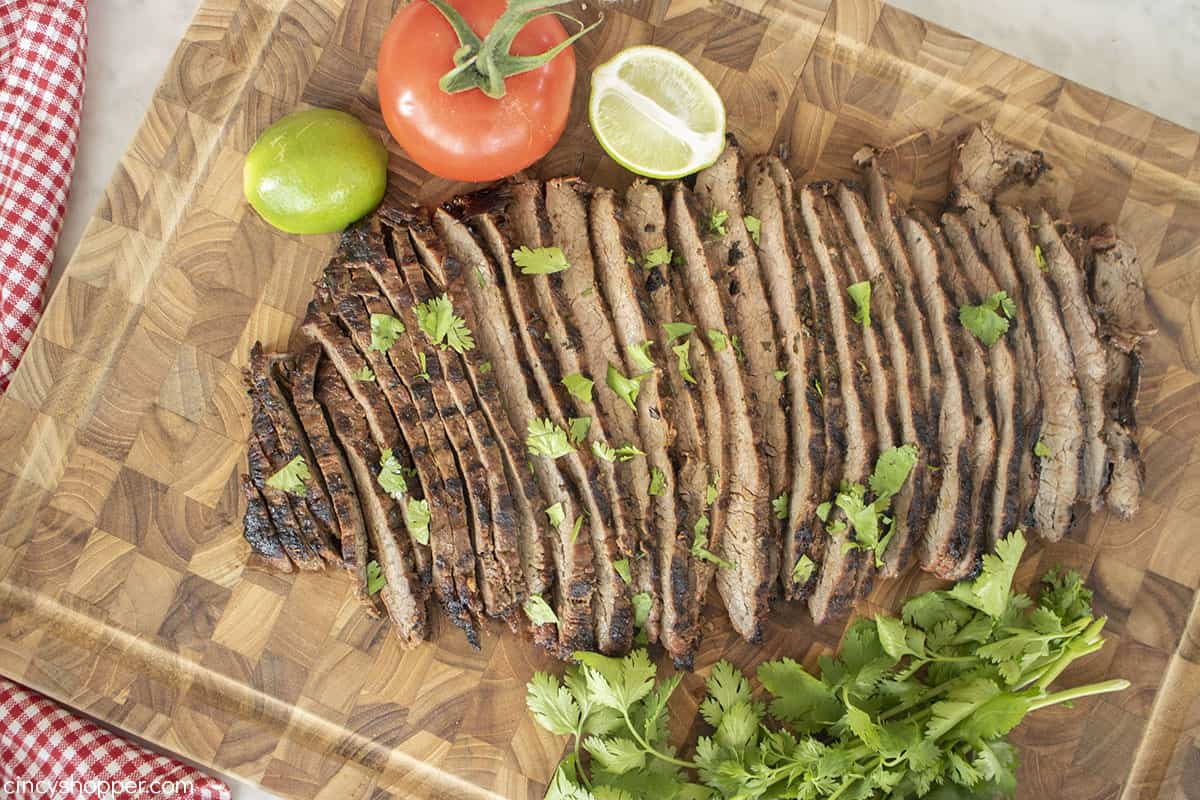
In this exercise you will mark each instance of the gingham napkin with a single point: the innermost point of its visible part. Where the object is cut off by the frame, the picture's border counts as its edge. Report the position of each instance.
(43, 52)
(48, 752)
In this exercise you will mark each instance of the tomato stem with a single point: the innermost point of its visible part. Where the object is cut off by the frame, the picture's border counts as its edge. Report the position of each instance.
(485, 63)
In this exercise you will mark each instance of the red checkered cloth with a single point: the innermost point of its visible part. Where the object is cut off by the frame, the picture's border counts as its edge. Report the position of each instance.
(43, 53)
(48, 753)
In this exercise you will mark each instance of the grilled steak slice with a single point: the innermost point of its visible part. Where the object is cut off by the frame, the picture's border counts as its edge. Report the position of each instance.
(698, 451)
(587, 312)
(279, 509)
(827, 444)
(951, 547)
(1062, 421)
(973, 368)
(780, 266)
(467, 271)
(977, 284)
(453, 562)
(875, 370)
(910, 405)
(444, 396)
(402, 593)
(736, 272)
(1120, 304)
(1118, 290)
(746, 584)
(299, 381)
(1090, 363)
(292, 443)
(634, 325)
(857, 438)
(258, 531)
(551, 354)
(342, 356)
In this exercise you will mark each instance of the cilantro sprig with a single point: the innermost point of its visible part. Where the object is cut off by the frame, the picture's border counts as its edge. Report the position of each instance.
(923, 700)
(540, 260)
(989, 320)
(291, 477)
(445, 329)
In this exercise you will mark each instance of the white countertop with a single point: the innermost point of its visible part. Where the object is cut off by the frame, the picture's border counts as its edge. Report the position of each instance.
(1141, 51)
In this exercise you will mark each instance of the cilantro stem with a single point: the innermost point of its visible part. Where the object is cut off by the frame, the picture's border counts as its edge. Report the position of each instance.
(1115, 685)
(637, 737)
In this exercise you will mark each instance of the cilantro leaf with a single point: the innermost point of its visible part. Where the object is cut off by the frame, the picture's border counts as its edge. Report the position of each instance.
(726, 687)
(802, 571)
(780, 374)
(658, 257)
(1040, 257)
(718, 339)
(385, 330)
(579, 386)
(418, 519)
(626, 388)
(437, 319)
(711, 491)
(682, 353)
(621, 566)
(780, 506)
(891, 471)
(641, 609)
(576, 528)
(485, 368)
(375, 579)
(547, 439)
(391, 475)
(557, 514)
(716, 222)
(424, 363)
(579, 427)
(677, 330)
(539, 611)
(989, 320)
(540, 260)
(291, 477)
(603, 451)
(639, 354)
(657, 481)
(700, 544)
(754, 228)
(552, 705)
(800, 699)
(618, 682)
(860, 293)
(365, 374)
(616, 755)
(1041, 450)
(990, 591)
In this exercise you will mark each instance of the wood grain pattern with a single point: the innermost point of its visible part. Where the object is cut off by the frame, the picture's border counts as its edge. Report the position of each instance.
(122, 581)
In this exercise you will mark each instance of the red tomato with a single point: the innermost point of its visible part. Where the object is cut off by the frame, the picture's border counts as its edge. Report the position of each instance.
(469, 136)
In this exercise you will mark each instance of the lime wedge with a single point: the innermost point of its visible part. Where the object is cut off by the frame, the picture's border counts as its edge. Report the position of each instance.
(656, 114)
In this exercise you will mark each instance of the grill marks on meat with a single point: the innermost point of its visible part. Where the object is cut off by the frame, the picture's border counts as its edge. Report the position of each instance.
(951, 547)
(734, 258)
(1062, 421)
(1091, 365)
(633, 324)
(856, 437)
(402, 593)
(586, 310)
(806, 437)
(467, 271)
(780, 393)
(910, 405)
(974, 285)
(300, 382)
(746, 585)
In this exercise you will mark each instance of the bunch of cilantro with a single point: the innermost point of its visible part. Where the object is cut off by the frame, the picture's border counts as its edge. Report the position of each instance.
(914, 706)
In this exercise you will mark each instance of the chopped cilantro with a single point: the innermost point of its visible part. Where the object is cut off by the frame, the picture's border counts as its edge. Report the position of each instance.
(626, 452)
(711, 491)
(676, 330)
(375, 579)
(540, 260)
(575, 528)
(391, 475)
(579, 385)
(365, 374)
(780, 506)
(423, 361)
(658, 257)
(485, 368)
(716, 222)
(444, 329)
(1041, 450)
(780, 374)
(539, 611)
(621, 566)
(891, 471)
(989, 320)
(817, 387)
(860, 293)
(658, 480)
(556, 514)
(385, 330)
(547, 439)
(683, 356)
(700, 544)
(579, 427)
(803, 570)
(1041, 258)
(718, 339)
(626, 388)
(639, 354)
(754, 228)
(418, 520)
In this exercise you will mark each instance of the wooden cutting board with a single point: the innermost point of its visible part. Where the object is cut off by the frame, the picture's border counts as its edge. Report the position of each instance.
(122, 582)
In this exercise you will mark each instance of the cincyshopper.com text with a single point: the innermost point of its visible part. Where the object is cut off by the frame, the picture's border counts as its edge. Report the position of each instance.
(100, 790)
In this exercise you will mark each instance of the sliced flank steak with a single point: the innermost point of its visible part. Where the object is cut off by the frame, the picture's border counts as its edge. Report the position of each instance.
(288, 513)
(619, 273)
(258, 531)
(403, 593)
(745, 581)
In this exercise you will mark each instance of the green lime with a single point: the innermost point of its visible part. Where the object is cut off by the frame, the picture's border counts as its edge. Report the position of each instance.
(656, 114)
(315, 172)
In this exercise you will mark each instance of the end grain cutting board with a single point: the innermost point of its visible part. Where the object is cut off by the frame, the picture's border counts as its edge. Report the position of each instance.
(122, 589)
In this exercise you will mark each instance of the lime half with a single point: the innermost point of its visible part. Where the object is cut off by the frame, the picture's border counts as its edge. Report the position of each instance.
(656, 114)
